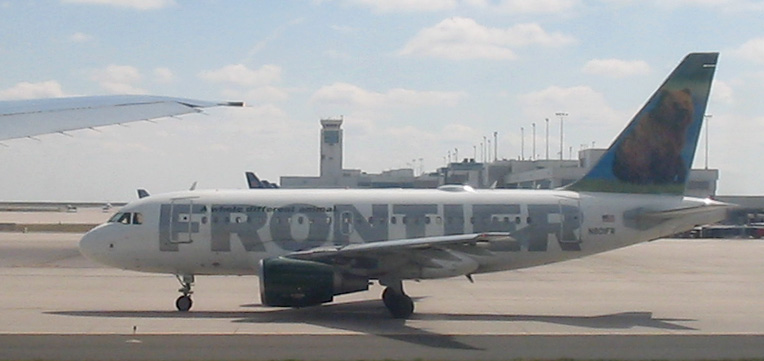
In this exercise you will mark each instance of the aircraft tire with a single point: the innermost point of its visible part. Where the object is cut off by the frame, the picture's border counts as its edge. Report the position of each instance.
(183, 303)
(400, 305)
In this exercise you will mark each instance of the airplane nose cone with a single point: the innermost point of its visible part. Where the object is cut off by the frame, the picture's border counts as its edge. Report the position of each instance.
(93, 245)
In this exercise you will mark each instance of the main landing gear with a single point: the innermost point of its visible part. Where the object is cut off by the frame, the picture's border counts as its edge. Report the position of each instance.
(396, 300)
(184, 303)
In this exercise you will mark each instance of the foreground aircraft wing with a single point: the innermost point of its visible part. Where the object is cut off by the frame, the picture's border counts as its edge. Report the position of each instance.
(25, 118)
(369, 250)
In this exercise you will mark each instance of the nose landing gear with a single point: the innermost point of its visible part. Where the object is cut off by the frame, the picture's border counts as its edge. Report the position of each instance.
(184, 302)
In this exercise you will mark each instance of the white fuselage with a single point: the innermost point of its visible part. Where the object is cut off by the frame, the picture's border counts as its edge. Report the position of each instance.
(229, 232)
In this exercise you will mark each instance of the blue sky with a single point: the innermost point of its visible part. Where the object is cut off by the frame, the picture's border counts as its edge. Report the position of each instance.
(413, 80)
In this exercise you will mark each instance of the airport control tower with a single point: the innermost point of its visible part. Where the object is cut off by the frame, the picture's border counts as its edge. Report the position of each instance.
(331, 149)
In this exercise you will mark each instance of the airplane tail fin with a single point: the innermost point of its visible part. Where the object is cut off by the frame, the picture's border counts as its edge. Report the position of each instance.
(142, 193)
(654, 153)
(252, 181)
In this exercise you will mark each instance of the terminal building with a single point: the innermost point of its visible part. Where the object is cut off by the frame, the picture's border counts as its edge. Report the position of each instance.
(513, 174)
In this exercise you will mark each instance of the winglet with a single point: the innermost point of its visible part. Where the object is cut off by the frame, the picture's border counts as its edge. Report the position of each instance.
(655, 151)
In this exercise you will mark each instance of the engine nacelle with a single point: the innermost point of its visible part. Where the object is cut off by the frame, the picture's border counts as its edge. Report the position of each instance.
(286, 282)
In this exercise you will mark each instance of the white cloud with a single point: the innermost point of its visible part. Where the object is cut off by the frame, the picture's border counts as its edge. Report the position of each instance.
(25, 90)
(388, 6)
(260, 95)
(133, 4)
(119, 79)
(343, 29)
(464, 38)
(80, 37)
(526, 6)
(504, 6)
(616, 68)
(582, 102)
(752, 50)
(239, 74)
(722, 92)
(350, 95)
(724, 5)
(163, 75)
(721, 5)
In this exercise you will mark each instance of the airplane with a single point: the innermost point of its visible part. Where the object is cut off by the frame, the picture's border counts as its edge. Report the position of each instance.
(308, 246)
(27, 118)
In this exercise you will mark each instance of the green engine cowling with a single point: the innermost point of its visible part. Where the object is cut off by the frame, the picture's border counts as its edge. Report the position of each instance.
(286, 282)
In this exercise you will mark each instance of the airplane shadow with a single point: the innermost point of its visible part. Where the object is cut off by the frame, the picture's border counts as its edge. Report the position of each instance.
(370, 317)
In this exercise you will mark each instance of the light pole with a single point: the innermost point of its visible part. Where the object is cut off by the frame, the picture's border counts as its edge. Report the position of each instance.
(489, 151)
(495, 146)
(485, 149)
(533, 155)
(522, 143)
(562, 116)
(547, 138)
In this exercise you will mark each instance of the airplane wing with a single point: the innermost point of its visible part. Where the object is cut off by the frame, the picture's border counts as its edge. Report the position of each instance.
(373, 249)
(25, 118)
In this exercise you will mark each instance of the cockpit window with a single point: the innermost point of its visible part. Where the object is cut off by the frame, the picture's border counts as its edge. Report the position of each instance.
(115, 217)
(127, 218)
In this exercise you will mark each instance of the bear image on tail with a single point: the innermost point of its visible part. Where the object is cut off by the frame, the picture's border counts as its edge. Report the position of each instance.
(651, 153)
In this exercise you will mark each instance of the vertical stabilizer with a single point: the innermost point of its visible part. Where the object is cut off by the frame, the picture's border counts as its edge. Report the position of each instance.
(252, 181)
(655, 151)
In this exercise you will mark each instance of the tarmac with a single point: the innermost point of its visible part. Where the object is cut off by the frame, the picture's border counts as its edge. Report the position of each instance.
(672, 299)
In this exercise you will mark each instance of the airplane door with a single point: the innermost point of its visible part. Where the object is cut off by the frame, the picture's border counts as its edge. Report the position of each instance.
(184, 225)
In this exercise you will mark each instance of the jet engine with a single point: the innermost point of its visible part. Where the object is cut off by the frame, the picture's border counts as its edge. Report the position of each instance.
(286, 282)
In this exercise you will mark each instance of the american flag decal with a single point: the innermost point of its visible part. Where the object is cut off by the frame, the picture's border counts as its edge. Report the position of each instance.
(608, 218)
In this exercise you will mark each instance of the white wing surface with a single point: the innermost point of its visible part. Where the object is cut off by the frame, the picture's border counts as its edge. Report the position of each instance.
(407, 245)
(24, 118)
